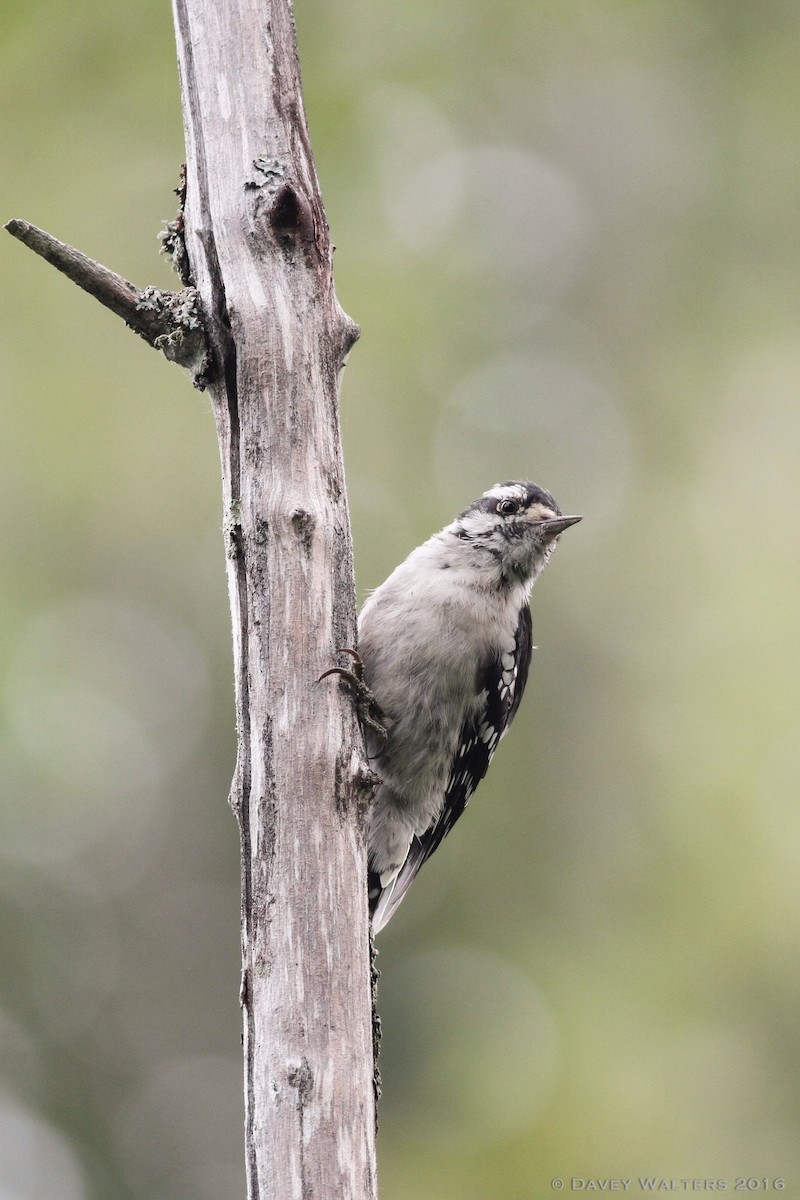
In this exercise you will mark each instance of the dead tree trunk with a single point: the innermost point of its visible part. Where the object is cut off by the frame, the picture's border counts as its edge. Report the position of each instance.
(258, 246)
(261, 328)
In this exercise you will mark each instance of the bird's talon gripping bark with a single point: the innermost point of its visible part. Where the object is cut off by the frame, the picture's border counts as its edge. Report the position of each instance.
(369, 711)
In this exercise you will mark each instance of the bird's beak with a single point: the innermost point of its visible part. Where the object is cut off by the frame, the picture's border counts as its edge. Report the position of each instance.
(548, 530)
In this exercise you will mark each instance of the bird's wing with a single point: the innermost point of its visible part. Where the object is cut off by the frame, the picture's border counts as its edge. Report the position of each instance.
(501, 686)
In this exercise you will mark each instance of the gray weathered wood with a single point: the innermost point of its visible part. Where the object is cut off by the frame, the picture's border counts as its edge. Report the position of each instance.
(260, 255)
(169, 321)
(261, 328)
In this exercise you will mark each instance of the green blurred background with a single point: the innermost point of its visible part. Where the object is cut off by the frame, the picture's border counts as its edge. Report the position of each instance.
(570, 234)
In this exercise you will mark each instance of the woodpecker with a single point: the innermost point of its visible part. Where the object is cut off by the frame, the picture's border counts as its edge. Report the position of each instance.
(444, 647)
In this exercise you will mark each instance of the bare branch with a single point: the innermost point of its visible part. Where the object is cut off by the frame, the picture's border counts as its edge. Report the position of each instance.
(169, 321)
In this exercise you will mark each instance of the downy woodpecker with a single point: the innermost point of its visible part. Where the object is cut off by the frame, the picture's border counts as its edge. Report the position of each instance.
(445, 646)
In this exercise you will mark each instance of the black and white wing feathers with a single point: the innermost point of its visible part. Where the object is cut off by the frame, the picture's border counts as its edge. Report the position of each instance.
(500, 683)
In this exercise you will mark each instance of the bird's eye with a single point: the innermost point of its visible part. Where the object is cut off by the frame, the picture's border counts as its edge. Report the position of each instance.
(506, 507)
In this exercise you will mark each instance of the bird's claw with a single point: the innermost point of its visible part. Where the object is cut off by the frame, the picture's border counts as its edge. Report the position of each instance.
(370, 713)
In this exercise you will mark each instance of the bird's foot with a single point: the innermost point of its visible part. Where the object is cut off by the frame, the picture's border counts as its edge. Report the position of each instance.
(370, 713)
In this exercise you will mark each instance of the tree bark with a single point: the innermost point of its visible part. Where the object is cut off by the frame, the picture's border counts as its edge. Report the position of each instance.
(260, 256)
(261, 328)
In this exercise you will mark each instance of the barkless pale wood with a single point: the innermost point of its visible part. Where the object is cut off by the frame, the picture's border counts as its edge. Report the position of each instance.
(260, 255)
(261, 328)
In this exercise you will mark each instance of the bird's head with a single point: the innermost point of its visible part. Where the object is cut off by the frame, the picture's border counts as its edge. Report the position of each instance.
(515, 527)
